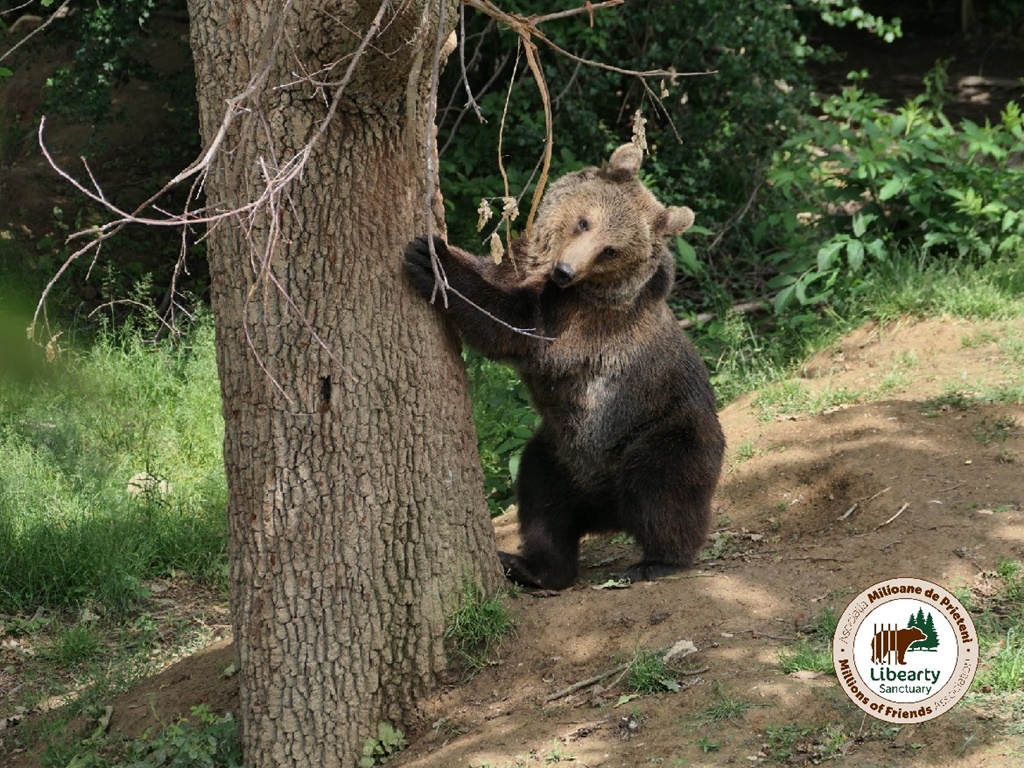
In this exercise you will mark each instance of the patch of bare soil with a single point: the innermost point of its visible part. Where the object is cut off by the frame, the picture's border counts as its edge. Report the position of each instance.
(781, 555)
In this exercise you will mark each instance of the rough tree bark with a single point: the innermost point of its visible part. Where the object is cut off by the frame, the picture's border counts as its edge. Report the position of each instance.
(356, 510)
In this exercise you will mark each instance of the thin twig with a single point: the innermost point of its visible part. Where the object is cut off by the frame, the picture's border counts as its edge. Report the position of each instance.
(527, 29)
(898, 513)
(501, 139)
(734, 220)
(644, 73)
(549, 139)
(462, 63)
(876, 495)
(586, 683)
(588, 8)
(850, 511)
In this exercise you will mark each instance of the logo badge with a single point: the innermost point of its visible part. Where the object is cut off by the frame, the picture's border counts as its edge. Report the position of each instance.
(905, 650)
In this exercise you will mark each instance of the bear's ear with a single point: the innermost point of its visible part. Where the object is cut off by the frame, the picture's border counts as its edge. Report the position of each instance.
(674, 221)
(627, 158)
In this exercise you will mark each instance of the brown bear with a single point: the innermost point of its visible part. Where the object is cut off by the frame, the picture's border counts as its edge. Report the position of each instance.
(629, 438)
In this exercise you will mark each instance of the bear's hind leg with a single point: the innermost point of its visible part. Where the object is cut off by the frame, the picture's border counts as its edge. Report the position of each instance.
(665, 500)
(550, 521)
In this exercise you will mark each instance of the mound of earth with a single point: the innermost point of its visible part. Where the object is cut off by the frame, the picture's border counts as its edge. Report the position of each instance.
(899, 477)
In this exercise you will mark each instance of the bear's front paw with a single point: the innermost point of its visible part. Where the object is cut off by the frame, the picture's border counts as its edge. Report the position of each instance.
(418, 266)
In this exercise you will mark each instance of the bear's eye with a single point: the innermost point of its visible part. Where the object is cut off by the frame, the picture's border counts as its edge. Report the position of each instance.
(607, 252)
(582, 225)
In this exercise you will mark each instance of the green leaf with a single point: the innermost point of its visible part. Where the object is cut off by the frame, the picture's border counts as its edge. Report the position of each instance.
(688, 257)
(861, 222)
(827, 253)
(782, 299)
(876, 248)
(783, 280)
(513, 465)
(855, 254)
(1009, 219)
(892, 187)
(669, 684)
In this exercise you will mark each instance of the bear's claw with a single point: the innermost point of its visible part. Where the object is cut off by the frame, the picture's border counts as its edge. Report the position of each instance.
(418, 266)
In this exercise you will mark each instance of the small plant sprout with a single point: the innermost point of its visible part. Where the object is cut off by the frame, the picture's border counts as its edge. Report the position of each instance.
(379, 749)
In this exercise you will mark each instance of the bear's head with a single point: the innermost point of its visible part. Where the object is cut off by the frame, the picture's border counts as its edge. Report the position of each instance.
(602, 229)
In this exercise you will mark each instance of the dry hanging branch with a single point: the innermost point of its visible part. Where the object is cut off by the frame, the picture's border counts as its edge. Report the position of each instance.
(527, 28)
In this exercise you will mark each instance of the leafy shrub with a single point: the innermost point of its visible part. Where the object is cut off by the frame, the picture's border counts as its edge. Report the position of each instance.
(378, 750)
(862, 182)
(104, 38)
(505, 420)
(209, 740)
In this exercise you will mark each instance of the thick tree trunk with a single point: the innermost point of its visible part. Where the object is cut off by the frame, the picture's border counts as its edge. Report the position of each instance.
(356, 511)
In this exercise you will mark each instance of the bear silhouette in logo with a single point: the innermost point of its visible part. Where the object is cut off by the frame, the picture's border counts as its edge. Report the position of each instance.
(886, 641)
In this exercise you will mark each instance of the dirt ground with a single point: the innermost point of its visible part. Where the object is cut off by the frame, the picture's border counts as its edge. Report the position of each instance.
(787, 557)
(780, 556)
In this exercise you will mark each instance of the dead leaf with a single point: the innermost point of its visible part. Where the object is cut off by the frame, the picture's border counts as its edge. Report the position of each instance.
(614, 584)
(681, 649)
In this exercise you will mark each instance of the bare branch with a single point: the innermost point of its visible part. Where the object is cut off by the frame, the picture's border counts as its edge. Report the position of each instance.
(549, 140)
(462, 62)
(587, 8)
(610, 68)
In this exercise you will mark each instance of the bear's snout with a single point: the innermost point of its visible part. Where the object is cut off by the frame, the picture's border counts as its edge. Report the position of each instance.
(563, 274)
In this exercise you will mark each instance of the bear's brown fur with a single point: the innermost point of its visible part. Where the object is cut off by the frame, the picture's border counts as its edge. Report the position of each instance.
(630, 438)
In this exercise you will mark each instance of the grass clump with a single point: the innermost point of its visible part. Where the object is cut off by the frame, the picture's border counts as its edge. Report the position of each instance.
(724, 708)
(76, 645)
(476, 628)
(813, 651)
(1001, 635)
(996, 429)
(793, 398)
(806, 656)
(792, 743)
(650, 673)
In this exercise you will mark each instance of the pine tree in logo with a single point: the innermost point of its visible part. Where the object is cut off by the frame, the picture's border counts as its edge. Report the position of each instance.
(927, 625)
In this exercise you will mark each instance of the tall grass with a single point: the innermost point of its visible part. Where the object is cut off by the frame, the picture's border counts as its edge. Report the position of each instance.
(73, 432)
(911, 283)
